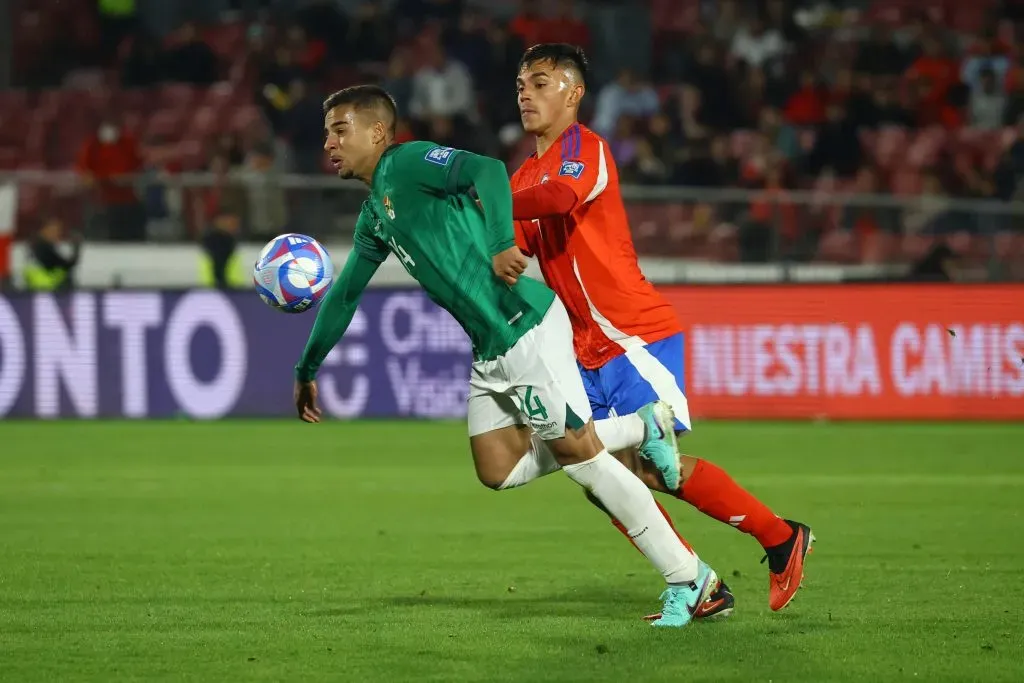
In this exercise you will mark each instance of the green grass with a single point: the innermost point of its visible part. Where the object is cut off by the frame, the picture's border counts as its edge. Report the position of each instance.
(368, 552)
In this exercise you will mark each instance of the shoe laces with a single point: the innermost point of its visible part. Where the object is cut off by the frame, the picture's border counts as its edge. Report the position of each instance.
(674, 602)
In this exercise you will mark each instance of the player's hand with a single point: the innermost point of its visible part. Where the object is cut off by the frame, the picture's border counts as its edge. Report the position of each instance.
(305, 401)
(509, 265)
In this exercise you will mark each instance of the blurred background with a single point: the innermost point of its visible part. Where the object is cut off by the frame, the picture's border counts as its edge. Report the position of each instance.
(158, 144)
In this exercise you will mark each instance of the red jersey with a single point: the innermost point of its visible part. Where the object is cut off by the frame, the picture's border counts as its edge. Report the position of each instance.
(587, 254)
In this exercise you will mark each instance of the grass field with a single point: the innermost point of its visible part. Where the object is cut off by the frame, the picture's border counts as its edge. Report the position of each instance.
(367, 552)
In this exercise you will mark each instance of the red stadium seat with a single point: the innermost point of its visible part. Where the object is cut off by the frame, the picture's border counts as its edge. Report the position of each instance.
(925, 147)
(177, 95)
(890, 143)
(167, 124)
(9, 158)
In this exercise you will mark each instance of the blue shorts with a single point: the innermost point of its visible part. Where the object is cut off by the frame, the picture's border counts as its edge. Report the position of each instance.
(641, 375)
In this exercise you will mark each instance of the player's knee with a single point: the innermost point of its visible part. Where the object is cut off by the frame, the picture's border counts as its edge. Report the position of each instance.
(491, 480)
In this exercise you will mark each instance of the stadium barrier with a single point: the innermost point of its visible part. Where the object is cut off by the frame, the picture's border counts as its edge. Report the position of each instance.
(932, 352)
(785, 231)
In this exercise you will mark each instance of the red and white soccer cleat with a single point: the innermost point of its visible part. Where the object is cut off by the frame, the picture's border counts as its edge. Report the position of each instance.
(786, 565)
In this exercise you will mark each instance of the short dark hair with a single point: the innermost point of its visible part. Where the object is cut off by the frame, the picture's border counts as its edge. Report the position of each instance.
(363, 97)
(560, 54)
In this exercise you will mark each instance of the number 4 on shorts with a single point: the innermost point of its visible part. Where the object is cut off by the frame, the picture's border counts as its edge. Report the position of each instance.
(532, 405)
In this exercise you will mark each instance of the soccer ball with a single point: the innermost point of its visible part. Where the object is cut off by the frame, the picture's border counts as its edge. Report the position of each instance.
(292, 273)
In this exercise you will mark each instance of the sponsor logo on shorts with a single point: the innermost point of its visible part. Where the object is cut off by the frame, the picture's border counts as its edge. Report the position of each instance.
(573, 169)
(440, 155)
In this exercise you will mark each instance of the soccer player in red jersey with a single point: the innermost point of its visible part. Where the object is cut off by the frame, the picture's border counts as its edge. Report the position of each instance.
(629, 346)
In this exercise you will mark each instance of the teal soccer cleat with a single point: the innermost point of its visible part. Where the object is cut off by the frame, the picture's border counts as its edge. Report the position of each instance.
(659, 445)
(681, 602)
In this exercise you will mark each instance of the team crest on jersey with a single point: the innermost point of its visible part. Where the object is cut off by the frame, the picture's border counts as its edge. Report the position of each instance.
(440, 155)
(544, 179)
(573, 169)
(388, 208)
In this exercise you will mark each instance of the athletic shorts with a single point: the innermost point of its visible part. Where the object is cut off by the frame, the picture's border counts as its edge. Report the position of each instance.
(641, 375)
(535, 383)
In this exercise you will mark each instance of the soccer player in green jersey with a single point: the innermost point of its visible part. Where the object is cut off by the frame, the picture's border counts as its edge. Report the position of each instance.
(527, 404)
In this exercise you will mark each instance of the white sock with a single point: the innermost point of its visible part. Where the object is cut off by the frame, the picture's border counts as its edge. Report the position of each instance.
(629, 501)
(538, 462)
(619, 433)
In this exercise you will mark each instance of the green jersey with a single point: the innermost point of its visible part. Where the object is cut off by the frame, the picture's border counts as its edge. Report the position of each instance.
(417, 212)
(421, 210)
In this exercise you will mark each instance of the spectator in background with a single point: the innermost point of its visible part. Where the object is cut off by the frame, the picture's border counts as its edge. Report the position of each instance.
(267, 207)
(442, 87)
(565, 26)
(48, 270)
(468, 45)
(309, 56)
(938, 265)
(881, 55)
(503, 61)
(324, 22)
(708, 74)
(220, 243)
(987, 102)
(886, 110)
(371, 34)
(1009, 174)
(623, 141)
(779, 18)
(190, 59)
(986, 55)
(931, 213)
(443, 12)
(228, 146)
(727, 21)
(117, 21)
(665, 141)
(757, 45)
(398, 79)
(785, 139)
(444, 131)
(648, 168)
(933, 74)
(302, 124)
(145, 65)
(625, 96)
(106, 163)
(528, 25)
(837, 146)
(707, 164)
(806, 106)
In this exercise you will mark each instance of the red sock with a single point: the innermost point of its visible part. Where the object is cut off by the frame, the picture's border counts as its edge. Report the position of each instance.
(713, 492)
(618, 525)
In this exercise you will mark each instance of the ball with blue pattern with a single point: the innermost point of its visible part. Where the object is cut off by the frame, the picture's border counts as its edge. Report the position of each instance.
(293, 273)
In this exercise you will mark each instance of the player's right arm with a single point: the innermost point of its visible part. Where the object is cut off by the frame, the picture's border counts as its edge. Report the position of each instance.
(444, 169)
(336, 313)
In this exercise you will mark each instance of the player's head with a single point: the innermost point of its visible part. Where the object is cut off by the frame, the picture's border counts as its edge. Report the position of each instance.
(360, 124)
(551, 81)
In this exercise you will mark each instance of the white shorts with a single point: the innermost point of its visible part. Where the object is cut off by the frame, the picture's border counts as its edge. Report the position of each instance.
(536, 383)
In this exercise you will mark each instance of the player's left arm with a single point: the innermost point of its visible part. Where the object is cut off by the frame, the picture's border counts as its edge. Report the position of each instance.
(582, 177)
(339, 306)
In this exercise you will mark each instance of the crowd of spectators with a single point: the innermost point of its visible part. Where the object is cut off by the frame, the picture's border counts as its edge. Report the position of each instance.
(767, 95)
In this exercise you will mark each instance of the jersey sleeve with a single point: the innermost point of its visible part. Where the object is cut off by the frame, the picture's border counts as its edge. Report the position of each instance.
(367, 244)
(584, 166)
